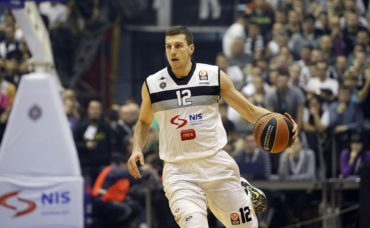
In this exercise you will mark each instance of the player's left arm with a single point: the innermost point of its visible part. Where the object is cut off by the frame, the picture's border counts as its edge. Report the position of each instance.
(244, 107)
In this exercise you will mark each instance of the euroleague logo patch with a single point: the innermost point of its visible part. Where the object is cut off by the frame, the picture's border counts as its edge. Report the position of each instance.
(7, 196)
(235, 220)
(203, 75)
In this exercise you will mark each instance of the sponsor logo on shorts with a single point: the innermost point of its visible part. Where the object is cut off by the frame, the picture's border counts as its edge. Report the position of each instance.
(235, 219)
(187, 219)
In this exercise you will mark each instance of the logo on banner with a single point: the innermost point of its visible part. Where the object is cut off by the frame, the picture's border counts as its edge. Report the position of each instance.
(4, 202)
(34, 112)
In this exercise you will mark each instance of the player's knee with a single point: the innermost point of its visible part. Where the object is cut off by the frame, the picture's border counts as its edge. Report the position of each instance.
(193, 220)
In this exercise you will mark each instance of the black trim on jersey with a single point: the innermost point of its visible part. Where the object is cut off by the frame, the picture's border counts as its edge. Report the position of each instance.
(219, 80)
(219, 84)
(147, 87)
(195, 91)
(183, 80)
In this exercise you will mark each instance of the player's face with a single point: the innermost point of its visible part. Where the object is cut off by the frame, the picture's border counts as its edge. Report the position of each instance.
(178, 51)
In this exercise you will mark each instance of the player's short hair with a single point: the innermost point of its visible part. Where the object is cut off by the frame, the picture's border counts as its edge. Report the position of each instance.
(180, 29)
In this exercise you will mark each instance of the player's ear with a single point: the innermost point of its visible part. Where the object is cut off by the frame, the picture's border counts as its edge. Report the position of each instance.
(191, 48)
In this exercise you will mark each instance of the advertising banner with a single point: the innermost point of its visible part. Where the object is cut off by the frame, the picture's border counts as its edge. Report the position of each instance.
(40, 176)
(41, 202)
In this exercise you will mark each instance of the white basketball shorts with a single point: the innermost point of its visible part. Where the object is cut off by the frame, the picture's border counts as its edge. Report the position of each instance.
(214, 182)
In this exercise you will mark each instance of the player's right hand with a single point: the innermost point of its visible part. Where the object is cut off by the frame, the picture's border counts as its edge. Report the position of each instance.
(132, 165)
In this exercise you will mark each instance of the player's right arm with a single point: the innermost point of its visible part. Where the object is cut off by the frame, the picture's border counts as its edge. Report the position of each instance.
(141, 133)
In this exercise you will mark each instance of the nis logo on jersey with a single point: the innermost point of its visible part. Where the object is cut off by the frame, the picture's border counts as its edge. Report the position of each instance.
(181, 122)
(192, 119)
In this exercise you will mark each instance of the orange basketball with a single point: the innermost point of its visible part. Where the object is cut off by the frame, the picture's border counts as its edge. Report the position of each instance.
(273, 132)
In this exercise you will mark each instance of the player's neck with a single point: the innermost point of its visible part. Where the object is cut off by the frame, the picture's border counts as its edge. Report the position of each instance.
(182, 71)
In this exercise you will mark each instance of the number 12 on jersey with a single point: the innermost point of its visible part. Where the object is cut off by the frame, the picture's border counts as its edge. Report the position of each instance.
(183, 97)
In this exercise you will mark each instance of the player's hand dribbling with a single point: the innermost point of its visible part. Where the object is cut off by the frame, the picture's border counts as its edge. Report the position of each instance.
(295, 127)
(132, 165)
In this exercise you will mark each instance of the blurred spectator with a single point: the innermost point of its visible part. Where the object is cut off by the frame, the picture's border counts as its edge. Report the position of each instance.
(297, 163)
(344, 115)
(10, 46)
(322, 81)
(354, 157)
(9, 21)
(254, 43)
(326, 46)
(209, 6)
(316, 56)
(253, 162)
(296, 78)
(315, 124)
(256, 90)
(56, 13)
(315, 117)
(92, 137)
(348, 19)
(70, 109)
(282, 61)
(339, 40)
(235, 73)
(57, 16)
(272, 78)
(261, 12)
(352, 26)
(363, 39)
(360, 61)
(119, 199)
(293, 25)
(322, 24)
(305, 38)
(238, 56)
(352, 81)
(128, 115)
(363, 96)
(7, 88)
(305, 61)
(69, 93)
(11, 70)
(286, 98)
(280, 16)
(236, 30)
(340, 68)
(279, 39)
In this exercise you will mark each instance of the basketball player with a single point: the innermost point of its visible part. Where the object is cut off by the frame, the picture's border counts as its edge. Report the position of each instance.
(197, 173)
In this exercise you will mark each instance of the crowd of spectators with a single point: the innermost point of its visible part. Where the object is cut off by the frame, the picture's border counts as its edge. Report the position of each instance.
(311, 59)
(308, 58)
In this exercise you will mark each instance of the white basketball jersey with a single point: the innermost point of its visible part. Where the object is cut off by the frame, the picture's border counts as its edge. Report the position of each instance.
(187, 112)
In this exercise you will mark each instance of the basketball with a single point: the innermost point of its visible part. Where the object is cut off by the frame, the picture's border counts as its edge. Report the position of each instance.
(273, 132)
